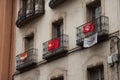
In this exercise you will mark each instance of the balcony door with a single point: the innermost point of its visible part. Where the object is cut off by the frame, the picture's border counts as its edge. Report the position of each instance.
(26, 5)
(29, 42)
(57, 28)
(96, 16)
(94, 13)
(29, 6)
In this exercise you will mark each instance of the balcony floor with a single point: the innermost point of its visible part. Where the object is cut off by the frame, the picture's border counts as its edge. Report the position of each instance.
(55, 54)
(102, 36)
(26, 66)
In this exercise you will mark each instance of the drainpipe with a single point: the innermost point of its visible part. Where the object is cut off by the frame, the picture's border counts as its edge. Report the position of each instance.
(118, 47)
(118, 57)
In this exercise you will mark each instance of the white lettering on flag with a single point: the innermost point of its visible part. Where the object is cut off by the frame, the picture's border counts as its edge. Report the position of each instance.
(90, 41)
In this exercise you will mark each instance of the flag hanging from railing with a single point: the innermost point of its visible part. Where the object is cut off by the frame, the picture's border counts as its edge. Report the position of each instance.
(53, 44)
(89, 27)
(90, 41)
(23, 56)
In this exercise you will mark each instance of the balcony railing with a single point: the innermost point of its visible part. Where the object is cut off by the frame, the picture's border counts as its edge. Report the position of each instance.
(58, 47)
(26, 60)
(101, 26)
(29, 12)
(55, 3)
(119, 46)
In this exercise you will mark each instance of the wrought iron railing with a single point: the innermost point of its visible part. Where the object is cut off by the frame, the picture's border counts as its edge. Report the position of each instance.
(101, 26)
(119, 46)
(62, 47)
(54, 3)
(26, 59)
(30, 11)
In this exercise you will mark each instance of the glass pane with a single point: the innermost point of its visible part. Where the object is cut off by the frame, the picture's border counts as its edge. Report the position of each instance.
(57, 29)
(97, 12)
(31, 43)
(96, 73)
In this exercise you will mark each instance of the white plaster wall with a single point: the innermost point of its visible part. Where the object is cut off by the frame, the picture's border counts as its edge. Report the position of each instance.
(73, 18)
(74, 13)
(73, 64)
(111, 10)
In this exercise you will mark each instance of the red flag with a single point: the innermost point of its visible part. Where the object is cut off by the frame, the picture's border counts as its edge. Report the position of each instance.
(53, 44)
(88, 27)
(23, 56)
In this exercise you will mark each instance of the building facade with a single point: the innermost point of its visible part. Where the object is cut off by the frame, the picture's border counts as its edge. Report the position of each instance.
(67, 40)
(7, 40)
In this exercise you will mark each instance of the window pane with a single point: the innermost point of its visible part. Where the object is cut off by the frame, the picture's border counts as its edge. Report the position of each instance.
(29, 42)
(57, 28)
(94, 9)
(96, 73)
(29, 5)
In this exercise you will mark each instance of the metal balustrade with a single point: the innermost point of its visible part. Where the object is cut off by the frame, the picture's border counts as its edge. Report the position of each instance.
(101, 26)
(29, 12)
(57, 52)
(26, 59)
(55, 3)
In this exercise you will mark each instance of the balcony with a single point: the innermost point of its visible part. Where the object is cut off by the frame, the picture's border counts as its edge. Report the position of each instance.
(119, 46)
(55, 48)
(101, 27)
(55, 3)
(30, 12)
(26, 60)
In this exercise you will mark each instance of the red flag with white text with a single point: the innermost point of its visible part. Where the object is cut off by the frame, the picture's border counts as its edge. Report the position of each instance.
(23, 55)
(89, 27)
(53, 44)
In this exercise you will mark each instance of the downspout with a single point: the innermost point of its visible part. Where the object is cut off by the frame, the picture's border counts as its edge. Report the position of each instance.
(117, 63)
(118, 57)
(118, 46)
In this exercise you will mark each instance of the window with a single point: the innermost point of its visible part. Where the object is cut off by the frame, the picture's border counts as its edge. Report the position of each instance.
(94, 9)
(29, 10)
(23, 3)
(57, 28)
(29, 42)
(94, 13)
(96, 73)
(29, 6)
(26, 5)
(58, 78)
(38, 4)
